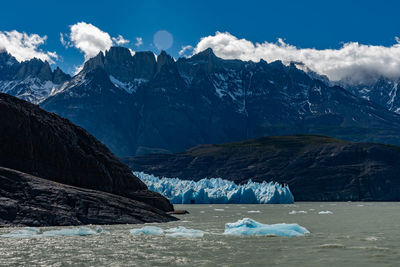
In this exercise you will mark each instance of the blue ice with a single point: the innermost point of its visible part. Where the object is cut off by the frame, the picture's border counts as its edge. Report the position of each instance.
(147, 230)
(181, 231)
(23, 233)
(28, 232)
(249, 226)
(217, 191)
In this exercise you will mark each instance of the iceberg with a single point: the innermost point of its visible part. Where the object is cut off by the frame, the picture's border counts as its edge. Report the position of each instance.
(298, 212)
(325, 212)
(217, 191)
(82, 231)
(28, 232)
(249, 226)
(147, 230)
(23, 233)
(181, 231)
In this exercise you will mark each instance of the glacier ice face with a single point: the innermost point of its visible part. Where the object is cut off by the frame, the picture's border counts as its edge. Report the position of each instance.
(147, 230)
(181, 231)
(28, 232)
(217, 191)
(249, 226)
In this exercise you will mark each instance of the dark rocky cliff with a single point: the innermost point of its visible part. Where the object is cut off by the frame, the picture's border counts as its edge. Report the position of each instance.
(43, 144)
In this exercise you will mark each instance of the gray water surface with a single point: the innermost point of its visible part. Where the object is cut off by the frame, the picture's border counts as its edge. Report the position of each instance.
(355, 234)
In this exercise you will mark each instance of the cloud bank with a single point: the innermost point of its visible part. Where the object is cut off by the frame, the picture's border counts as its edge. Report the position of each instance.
(25, 46)
(90, 40)
(352, 63)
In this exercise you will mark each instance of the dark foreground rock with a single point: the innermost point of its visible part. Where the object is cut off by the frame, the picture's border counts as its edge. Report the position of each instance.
(317, 168)
(32, 201)
(43, 144)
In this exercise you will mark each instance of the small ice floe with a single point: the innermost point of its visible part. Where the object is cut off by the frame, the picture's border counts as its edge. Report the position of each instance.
(219, 209)
(23, 233)
(82, 231)
(325, 212)
(147, 230)
(360, 205)
(181, 231)
(249, 226)
(202, 211)
(253, 211)
(298, 212)
(35, 232)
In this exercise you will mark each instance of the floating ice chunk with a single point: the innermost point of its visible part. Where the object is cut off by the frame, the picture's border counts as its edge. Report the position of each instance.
(23, 233)
(298, 212)
(219, 209)
(253, 211)
(181, 231)
(325, 212)
(217, 191)
(249, 226)
(147, 230)
(35, 232)
(82, 231)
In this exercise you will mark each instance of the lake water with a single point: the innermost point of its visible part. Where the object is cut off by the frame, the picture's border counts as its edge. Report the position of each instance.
(355, 234)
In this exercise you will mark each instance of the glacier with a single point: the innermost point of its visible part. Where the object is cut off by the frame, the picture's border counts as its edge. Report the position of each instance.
(217, 191)
(248, 226)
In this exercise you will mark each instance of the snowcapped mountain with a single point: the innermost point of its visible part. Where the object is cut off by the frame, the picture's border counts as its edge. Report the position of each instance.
(383, 92)
(139, 103)
(142, 104)
(31, 80)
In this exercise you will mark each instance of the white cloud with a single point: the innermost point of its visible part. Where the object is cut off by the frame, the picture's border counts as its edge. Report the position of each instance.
(139, 41)
(185, 49)
(352, 62)
(120, 40)
(25, 46)
(89, 39)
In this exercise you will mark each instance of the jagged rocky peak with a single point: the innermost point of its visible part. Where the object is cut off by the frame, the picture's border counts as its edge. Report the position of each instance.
(207, 54)
(35, 68)
(94, 62)
(118, 54)
(164, 59)
(119, 63)
(6, 58)
(59, 76)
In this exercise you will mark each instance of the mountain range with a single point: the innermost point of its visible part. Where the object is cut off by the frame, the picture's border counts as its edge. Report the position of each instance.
(141, 103)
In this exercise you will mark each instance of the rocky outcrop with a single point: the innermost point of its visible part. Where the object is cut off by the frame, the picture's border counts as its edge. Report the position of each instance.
(45, 145)
(316, 168)
(26, 200)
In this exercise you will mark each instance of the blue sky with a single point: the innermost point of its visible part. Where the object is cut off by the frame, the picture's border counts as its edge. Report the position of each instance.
(304, 24)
